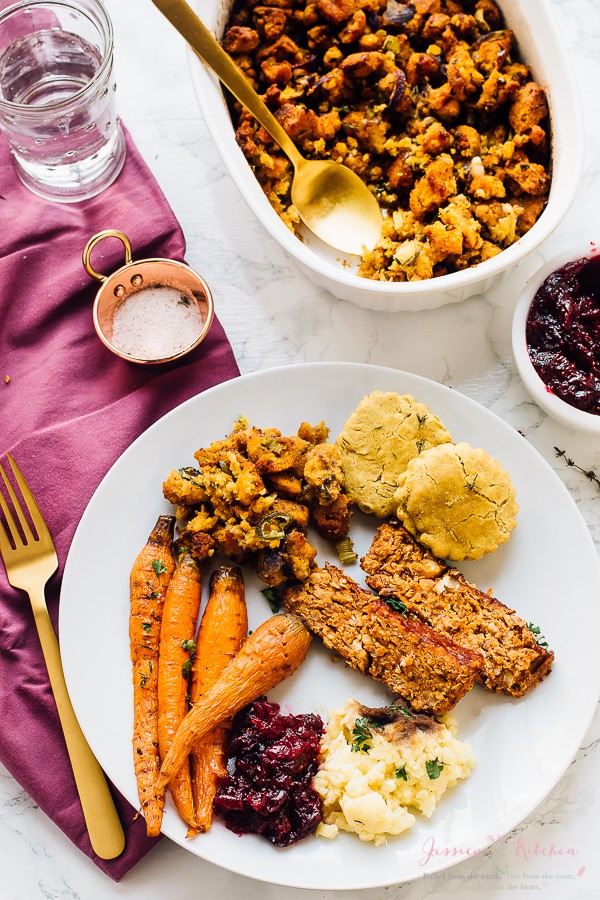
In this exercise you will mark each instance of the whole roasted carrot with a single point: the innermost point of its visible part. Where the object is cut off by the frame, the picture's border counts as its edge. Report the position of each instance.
(150, 577)
(180, 615)
(222, 632)
(269, 655)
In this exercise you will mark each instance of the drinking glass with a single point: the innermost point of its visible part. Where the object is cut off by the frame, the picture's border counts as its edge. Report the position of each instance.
(57, 97)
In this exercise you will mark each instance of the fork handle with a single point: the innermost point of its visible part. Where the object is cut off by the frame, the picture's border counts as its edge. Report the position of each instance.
(101, 818)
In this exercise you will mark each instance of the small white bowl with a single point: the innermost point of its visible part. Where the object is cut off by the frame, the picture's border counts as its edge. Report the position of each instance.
(541, 47)
(560, 410)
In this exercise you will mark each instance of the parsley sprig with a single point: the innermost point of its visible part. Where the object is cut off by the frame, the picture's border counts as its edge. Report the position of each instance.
(434, 768)
(537, 633)
(158, 566)
(362, 736)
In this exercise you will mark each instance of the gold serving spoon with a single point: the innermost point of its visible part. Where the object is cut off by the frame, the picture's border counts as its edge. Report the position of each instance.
(331, 199)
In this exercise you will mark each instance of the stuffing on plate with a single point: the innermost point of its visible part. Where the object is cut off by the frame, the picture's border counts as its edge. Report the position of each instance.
(428, 102)
(379, 766)
(253, 494)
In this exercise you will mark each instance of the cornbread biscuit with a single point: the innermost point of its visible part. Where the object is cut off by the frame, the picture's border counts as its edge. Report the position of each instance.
(457, 500)
(382, 435)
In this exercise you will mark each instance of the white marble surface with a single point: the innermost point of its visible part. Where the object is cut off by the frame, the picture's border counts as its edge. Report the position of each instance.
(273, 316)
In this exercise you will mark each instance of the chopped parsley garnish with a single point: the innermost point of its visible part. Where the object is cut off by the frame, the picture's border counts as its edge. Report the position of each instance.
(537, 633)
(190, 646)
(362, 736)
(401, 773)
(143, 680)
(158, 566)
(270, 595)
(397, 605)
(186, 668)
(146, 626)
(434, 768)
(406, 711)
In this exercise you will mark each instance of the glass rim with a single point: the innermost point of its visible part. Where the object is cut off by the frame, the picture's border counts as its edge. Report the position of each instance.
(104, 25)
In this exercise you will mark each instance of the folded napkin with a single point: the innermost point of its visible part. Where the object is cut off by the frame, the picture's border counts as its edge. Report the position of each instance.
(68, 409)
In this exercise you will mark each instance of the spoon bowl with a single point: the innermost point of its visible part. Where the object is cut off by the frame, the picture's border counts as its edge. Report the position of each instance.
(331, 199)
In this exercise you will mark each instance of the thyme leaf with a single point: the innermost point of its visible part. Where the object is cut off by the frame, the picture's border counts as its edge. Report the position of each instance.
(588, 473)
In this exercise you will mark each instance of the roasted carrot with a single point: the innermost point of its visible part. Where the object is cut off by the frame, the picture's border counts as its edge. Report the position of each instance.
(268, 656)
(150, 577)
(222, 631)
(180, 615)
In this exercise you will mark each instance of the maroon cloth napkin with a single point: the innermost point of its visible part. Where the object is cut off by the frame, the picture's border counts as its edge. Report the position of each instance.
(68, 409)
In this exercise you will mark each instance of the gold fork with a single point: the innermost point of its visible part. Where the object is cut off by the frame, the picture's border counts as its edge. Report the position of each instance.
(30, 561)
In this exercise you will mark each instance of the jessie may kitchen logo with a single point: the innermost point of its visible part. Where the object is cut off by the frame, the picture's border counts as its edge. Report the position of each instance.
(522, 851)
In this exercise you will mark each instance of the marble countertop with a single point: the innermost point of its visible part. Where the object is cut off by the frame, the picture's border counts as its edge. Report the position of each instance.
(273, 316)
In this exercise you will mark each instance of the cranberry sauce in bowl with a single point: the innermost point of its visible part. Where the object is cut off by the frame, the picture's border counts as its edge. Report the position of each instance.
(271, 760)
(563, 333)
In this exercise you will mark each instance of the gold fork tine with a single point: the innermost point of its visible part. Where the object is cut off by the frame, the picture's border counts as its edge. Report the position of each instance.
(19, 511)
(5, 546)
(13, 531)
(34, 510)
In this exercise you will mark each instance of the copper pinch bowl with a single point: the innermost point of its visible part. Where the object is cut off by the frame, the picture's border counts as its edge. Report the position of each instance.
(136, 276)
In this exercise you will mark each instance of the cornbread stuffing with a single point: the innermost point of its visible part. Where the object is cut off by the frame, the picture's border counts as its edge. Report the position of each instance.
(253, 495)
(457, 500)
(428, 102)
(378, 441)
(379, 766)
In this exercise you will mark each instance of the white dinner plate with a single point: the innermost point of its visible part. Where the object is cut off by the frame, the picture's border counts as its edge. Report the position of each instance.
(548, 572)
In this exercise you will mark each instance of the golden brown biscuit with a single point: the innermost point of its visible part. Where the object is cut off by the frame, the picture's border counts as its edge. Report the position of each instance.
(457, 500)
(382, 435)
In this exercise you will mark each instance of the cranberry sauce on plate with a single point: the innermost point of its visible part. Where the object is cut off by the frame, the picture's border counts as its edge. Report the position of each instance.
(563, 333)
(271, 760)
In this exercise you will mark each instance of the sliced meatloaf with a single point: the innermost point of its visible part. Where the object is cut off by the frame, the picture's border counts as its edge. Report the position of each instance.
(398, 566)
(426, 668)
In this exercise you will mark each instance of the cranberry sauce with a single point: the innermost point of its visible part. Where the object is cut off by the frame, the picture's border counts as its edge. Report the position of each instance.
(563, 333)
(271, 760)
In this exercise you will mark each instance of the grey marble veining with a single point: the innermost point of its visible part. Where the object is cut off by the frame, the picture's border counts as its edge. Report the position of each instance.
(274, 316)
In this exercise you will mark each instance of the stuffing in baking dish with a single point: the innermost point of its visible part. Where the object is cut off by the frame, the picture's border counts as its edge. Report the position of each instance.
(427, 101)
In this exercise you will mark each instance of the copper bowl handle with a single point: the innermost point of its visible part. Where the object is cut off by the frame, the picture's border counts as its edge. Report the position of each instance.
(87, 251)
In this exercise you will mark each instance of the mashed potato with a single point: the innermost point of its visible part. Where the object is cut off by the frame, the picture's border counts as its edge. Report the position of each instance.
(374, 771)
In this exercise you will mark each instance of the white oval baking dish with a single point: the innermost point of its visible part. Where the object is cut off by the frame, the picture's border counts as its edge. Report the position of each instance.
(541, 47)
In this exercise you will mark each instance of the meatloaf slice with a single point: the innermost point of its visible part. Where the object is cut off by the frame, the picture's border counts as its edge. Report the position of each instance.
(399, 566)
(427, 669)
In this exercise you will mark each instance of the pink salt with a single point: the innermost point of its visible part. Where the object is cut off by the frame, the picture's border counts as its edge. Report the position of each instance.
(156, 322)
